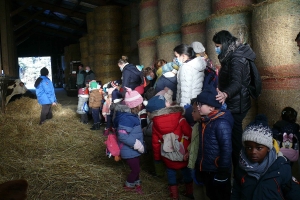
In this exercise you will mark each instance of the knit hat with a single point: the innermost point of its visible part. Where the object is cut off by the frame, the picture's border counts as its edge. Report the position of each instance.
(259, 131)
(132, 98)
(116, 96)
(156, 103)
(198, 47)
(115, 83)
(93, 85)
(44, 71)
(167, 67)
(208, 97)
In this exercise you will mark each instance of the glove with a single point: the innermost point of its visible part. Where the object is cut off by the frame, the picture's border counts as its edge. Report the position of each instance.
(138, 146)
(222, 176)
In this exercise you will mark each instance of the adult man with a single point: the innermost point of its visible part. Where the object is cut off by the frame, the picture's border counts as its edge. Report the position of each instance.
(80, 77)
(90, 75)
(45, 95)
(298, 41)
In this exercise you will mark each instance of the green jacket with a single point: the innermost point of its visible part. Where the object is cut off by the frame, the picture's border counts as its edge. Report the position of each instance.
(194, 146)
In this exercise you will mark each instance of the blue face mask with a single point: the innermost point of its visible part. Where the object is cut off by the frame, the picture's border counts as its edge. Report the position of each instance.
(149, 77)
(177, 62)
(218, 50)
(87, 71)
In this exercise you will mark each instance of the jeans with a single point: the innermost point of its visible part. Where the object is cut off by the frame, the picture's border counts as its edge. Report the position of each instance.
(108, 121)
(46, 112)
(134, 165)
(186, 173)
(95, 114)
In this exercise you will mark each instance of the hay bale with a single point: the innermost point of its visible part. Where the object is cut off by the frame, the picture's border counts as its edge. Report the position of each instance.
(106, 67)
(84, 46)
(126, 17)
(91, 40)
(149, 23)
(126, 42)
(195, 11)
(135, 16)
(108, 42)
(147, 52)
(134, 37)
(251, 113)
(91, 62)
(108, 18)
(90, 22)
(169, 16)
(278, 62)
(238, 24)
(165, 45)
(219, 6)
(194, 32)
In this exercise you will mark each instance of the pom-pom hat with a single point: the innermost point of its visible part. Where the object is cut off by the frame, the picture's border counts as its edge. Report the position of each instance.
(132, 98)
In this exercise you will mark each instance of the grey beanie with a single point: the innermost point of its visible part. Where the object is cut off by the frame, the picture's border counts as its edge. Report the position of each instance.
(259, 131)
(198, 47)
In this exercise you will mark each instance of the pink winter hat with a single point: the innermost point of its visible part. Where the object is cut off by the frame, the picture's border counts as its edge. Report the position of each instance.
(132, 98)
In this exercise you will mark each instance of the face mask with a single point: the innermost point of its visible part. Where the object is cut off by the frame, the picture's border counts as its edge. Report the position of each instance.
(218, 50)
(121, 68)
(87, 70)
(149, 77)
(177, 62)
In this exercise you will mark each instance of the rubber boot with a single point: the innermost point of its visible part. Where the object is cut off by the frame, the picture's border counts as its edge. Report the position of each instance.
(189, 190)
(174, 192)
(138, 187)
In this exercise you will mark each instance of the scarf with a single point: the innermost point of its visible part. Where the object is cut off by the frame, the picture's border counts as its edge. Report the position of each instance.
(255, 169)
(211, 115)
(231, 48)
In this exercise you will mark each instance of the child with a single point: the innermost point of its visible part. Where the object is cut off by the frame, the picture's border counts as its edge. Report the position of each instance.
(83, 97)
(130, 137)
(263, 172)
(211, 158)
(95, 103)
(170, 120)
(106, 112)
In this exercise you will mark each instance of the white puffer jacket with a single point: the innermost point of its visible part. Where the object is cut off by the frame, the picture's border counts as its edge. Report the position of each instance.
(190, 80)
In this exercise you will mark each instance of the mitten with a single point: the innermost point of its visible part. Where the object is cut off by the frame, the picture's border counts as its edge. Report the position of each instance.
(222, 176)
(117, 158)
(138, 146)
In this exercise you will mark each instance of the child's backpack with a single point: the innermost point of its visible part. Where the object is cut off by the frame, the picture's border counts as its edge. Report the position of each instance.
(289, 146)
(254, 87)
(85, 107)
(112, 147)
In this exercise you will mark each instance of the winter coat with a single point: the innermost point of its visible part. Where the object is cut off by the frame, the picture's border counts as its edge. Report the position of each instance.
(131, 77)
(167, 120)
(215, 143)
(81, 78)
(276, 183)
(90, 76)
(190, 80)
(95, 99)
(168, 80)
(128, 130)
(44, 90)
(81, 100)
(282, 126)
(234, 78)
(193, 148)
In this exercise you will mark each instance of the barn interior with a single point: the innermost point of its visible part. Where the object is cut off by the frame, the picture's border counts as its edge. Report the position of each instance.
(66, 160)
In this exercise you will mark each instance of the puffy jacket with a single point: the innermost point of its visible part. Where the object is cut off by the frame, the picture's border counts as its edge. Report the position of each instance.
(90, 76)
(45, 90)
(276, 183)
(167, 120)
(95, 99)
(168, 80)
(215, 147)
(234, 78)
(131, 77)
(190, 80)
(128, 130)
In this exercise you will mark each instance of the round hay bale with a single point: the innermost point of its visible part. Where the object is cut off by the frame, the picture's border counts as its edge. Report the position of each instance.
(90, 22)
(108, 42)
(147, 52)
(149, 24)
(134, 37)
(126, 17)
(91, 39)
(84, 46)
(106, 67)
(194, 32)
(218, 6)
(251, 113)
(194, 11)
(126, 42)
(91, 63)
(169, 16)
(238, 24)
(278, 62)
(85, 61)
(74, 50)
(108, 18)
(165, 45)
(135, 17)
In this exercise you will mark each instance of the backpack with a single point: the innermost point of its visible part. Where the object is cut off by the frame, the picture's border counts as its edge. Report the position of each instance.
(85, 107)
(112, 147)
(254, 87)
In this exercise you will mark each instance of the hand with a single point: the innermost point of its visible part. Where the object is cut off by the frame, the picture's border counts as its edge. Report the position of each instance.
(221, 96)
(186, 156)
(54, 104)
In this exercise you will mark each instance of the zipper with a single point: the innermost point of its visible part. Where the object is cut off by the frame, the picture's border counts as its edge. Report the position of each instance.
(278, 188)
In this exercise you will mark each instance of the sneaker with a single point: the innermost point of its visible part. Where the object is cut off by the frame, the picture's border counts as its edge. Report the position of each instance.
(106, 132)
(126, 188)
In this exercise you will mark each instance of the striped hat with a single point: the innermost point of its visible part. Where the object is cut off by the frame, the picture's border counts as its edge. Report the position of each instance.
(132, 98)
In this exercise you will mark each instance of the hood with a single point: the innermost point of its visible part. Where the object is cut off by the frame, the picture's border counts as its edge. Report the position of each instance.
(39, 80)
(226, 114)
(169, 75)
(123, 115)
(167, 110)
(244, 51)
(132, 68)
(197, 63)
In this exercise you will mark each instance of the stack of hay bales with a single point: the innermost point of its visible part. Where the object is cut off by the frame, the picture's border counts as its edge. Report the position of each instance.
(71, 53)
(194, 14)
(149, 30)
(170, 23)
(275, 25)
(84, 49)
(235, 17)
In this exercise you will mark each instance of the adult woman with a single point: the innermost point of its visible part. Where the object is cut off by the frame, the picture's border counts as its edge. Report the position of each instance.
(131, 76)
(234, 78)
(190, 75)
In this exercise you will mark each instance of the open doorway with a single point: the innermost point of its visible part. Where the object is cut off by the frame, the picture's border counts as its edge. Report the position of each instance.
(30, 69)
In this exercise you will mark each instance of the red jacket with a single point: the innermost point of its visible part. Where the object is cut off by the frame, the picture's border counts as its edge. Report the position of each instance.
(165, 121)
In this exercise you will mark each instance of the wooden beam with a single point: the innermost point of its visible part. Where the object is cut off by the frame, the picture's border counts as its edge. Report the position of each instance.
(27, 3)
(27, 20)
(26, 30)
(95, 2)
(57, 33)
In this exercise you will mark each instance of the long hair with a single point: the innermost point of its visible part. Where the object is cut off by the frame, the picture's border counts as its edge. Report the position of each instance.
(298, 37)
(186, 50)
(225, 39)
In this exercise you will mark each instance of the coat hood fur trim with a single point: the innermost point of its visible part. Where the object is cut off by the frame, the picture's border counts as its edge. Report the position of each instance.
(167, 110)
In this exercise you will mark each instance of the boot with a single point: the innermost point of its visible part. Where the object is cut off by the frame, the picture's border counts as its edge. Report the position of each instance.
(106, 132)
(96, 126)
(138, 187)
(189, 190)
(129, 186)
(174, 192)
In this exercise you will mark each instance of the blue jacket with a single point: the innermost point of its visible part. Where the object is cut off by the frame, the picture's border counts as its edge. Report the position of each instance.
(131, 77)
(45, 91)
(169, 82)
(215, 143)
(128, 130)
(276, 183)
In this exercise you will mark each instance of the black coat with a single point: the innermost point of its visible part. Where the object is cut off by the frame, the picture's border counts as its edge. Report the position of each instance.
(234, 78)
(131, 77)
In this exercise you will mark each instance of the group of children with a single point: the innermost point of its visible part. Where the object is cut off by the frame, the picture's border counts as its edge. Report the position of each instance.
(204, 148)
